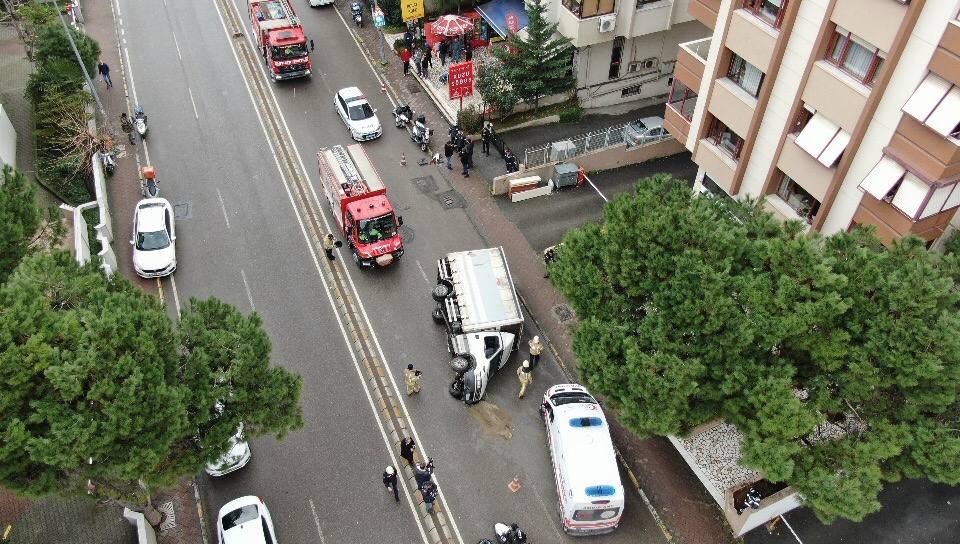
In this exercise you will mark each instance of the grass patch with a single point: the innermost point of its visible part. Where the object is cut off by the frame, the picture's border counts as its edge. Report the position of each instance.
(517, 118)
(92, 218)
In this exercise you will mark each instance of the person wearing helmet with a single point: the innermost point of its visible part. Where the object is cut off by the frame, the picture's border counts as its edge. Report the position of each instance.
(536, 350)
(525, 374)
(390, 481)
(516, 535)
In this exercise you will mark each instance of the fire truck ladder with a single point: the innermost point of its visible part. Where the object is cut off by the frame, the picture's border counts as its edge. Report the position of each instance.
(356, 184)
(294, 20)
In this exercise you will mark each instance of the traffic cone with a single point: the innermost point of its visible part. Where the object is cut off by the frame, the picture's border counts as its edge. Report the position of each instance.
(403, 159)
(383, 87)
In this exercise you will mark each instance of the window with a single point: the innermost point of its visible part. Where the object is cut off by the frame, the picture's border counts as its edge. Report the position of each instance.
(726, 139)
(798, 198)
(589, 8)
(770, 11)
(854, 57)
(630, 91)
(823, 140)
(642, 3)
(744, 74)
(936, 103)
(682, 99)
(892, 183)
(616, 55)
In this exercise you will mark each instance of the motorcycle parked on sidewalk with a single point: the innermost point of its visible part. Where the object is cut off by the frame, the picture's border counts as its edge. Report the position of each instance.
(140, 121)
(421, 133)
(109, 162)
(402, 116)
(149, 185)
(357, 12)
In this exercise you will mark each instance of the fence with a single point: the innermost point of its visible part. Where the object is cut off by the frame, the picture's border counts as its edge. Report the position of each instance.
(574, 147)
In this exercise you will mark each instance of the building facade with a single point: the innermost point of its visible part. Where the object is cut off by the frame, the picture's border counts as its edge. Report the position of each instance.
(837, 112)
(626, 49)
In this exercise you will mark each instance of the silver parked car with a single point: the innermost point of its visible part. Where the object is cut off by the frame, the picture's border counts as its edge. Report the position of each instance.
(644, 131)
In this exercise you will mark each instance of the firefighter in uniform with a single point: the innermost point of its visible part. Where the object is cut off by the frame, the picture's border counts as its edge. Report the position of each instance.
(413, 378)
(525, 374)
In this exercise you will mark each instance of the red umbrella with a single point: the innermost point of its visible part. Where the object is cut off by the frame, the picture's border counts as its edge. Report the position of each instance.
(452, 25)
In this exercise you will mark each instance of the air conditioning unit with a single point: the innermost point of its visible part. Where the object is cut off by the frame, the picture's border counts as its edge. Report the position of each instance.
(608, 22)
(645, 65)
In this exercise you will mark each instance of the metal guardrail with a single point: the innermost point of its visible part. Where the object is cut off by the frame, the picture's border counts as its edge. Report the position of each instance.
(582, 144)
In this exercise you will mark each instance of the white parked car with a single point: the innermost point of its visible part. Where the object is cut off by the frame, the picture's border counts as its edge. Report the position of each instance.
(645, 130)
(318, 3)
(154, 238)
(357, 113)
(245, 521)
(236, 457)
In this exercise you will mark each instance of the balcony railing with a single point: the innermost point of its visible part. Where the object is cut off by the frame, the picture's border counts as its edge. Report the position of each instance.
(584, 9)
(699, 48)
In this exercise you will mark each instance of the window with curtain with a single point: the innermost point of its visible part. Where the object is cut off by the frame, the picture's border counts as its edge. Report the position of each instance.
(798, 198)
(855, 58)
(726, 139)
(744, 74)
(770, 11)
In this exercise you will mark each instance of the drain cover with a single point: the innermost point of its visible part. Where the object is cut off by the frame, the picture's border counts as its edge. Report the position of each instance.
(413, 87)
(182, 210)
(451, 199)
(425, 185)
(562, 312)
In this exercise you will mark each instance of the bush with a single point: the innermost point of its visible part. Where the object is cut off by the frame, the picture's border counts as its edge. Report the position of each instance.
(53, 43)
(571, 114)
(469, 120)
(952, 244)
(54, 76)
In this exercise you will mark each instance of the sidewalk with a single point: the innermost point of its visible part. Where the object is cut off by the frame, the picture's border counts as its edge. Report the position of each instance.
(683, 503)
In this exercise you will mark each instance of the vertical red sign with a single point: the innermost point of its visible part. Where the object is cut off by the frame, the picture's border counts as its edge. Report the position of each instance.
(460, 80)
(513, 23)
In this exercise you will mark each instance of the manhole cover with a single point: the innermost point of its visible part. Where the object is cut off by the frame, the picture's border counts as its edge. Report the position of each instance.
(425, 185)
(562, 312)
(451, 199)
(169, 518)
(406, 234)
(182, 210)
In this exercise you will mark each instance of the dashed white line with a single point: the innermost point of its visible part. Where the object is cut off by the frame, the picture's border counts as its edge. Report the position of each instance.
(246, 287)
(422, 272)
(195, 114)
(223, 208)
(316, 519)
(177, 45)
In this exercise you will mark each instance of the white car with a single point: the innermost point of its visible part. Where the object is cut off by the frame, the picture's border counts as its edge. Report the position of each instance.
(236, 457)
(645, 130)
(154, 238)
(357, 113)
(245, 521)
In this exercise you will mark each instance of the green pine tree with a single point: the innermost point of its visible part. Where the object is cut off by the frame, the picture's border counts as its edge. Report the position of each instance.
(19, 219)
(837, 358)
(539, 65)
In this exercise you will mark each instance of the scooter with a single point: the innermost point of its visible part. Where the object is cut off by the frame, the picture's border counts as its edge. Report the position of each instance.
(402, 116)
(420, 133)
(140, 121)
(109, 162)
(509, 535)
(149, 186)
(357, 12)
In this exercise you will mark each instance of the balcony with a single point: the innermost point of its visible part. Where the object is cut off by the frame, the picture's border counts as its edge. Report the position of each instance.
(837, 95)
(679, 111)
(801, 167)
(691, 61)
(752, 39)
(716, 162)
(588, 22)
(705, 11)
(732, 105)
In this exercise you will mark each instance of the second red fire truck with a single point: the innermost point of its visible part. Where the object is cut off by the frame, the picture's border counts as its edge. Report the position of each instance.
(280, 38)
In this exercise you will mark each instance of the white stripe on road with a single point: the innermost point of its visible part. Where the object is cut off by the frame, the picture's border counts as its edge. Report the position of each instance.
(176, 294)
(246, 286)
(596, 189)
(422, 272)
(223, 208)
(195, 114)
(316, 519)
(791, 529)
(176, 44)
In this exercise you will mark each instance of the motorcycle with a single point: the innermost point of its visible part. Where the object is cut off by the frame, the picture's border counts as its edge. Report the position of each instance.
(402, 116)
(149, 186)
(357, 12)
(108, 160)
(421, 133)
(509, 534)
(140, 121)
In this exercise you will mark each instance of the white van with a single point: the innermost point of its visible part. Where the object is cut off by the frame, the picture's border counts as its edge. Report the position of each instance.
(584, 463)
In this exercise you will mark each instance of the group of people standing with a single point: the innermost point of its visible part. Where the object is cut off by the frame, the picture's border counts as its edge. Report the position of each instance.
(422, 473)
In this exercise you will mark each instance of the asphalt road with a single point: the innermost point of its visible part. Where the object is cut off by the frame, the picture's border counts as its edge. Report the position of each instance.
(238, 239)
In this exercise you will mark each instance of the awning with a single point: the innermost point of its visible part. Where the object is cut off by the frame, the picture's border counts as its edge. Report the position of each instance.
(497, 13)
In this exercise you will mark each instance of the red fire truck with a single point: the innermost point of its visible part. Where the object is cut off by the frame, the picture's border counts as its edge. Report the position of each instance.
(280, 37)
(358, 199)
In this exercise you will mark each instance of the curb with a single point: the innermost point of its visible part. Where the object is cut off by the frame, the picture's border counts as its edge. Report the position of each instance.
(204, 535)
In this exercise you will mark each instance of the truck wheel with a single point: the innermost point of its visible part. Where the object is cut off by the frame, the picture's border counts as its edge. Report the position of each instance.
(456, 389)
(443, 290)
(460, 364)
(438, 315)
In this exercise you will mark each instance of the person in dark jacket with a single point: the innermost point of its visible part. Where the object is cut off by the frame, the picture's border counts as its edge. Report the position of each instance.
(448, 149)
(468, 150)
(407, 445)
(429, 493)
(422, 473)
(442, 50)
(390, 481)
(467, 50)
(485, 136)
(465, 162)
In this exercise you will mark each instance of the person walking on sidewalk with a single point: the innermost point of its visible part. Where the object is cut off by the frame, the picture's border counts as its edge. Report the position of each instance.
(126, 125)
(104, 71)
(465, 162)
(485, 136)
(448, 149)
(390, 482)
(328, 244)
(525, 374)
(413, 377)
(405, 57)
(536, 350)
(407, 446)
(468, 150)
(429, 493)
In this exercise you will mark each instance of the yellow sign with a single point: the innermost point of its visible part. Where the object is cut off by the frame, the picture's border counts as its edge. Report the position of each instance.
(412, 9)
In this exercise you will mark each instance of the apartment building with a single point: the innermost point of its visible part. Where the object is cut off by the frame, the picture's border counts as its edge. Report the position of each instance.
(838, 112)
(626, 49)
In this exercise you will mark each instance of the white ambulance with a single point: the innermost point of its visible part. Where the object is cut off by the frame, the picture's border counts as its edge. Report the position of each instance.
(584, 463)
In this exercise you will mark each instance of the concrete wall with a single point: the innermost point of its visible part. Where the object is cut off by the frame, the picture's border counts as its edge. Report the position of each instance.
(8, 140)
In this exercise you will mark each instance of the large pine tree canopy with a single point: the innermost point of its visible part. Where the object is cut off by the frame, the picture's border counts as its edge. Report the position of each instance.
(100, 384)
(836, 357)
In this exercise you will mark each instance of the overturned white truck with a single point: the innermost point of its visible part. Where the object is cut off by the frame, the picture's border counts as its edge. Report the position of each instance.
(477, 302)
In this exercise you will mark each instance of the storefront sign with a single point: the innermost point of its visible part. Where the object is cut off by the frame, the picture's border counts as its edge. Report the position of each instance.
(460, 80)
(379, 20)
(513, 22)
(412, 9)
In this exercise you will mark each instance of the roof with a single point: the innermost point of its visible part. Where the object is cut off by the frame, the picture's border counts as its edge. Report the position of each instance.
(497, 12)
(350, 92)
(587, 448)
(651, 122)
(150, 214)
(484, 288)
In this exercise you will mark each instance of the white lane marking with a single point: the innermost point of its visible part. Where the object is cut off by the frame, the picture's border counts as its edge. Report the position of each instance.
(176, 43)
(246, 287)
(316, 519)
(316, 263)
(422, 271)
(176, 293)
(223, 208)
(195, 114)
(784, 518)
(596, 189)
(376, 74)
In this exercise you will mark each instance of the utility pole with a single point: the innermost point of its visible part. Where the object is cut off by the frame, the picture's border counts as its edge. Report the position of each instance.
(83, 69)
(18, 26)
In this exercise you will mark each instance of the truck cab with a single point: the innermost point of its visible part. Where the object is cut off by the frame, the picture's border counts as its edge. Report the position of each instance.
(373, 232)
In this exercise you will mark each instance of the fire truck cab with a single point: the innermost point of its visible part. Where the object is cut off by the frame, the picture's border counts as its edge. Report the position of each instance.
(280, 38)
